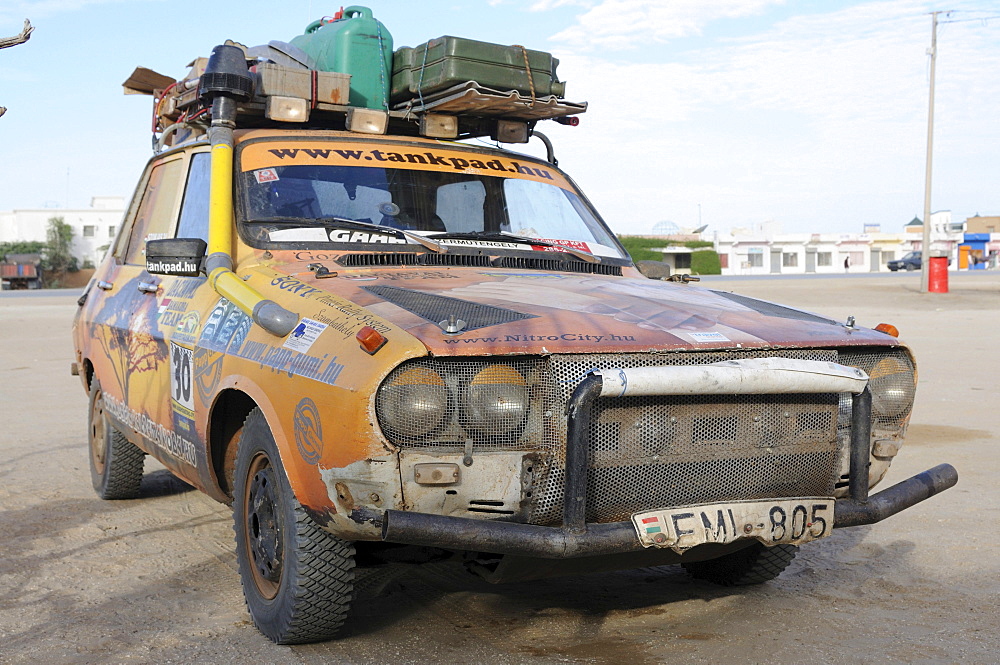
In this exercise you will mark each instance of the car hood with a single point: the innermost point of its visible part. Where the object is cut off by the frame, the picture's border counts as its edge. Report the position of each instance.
(476, 311)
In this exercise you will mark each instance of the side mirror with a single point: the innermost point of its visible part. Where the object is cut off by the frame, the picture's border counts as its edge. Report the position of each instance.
(182, 257)
(654, 269)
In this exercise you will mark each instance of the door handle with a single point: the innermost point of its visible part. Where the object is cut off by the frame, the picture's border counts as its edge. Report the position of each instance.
(105, 286)
(147, 287)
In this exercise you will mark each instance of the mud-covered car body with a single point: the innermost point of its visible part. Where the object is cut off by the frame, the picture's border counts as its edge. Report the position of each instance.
(463, 356)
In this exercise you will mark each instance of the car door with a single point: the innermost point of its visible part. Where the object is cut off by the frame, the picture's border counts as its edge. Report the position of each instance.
(143, 318)
(181, 305)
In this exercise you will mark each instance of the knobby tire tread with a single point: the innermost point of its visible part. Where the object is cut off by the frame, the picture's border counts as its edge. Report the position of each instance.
(316, 589)
(123, 461)
(323, 583)
(124, 467)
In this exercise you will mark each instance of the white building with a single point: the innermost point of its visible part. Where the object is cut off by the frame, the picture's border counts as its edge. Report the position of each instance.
(94, 228)
(764, 250)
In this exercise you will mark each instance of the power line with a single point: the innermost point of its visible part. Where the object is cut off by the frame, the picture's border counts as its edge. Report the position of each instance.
(983, 19)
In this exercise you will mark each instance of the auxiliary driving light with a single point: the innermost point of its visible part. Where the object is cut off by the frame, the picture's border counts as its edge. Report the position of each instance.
(367, 121)
(412, 403)
(287, 109)
(496, 401)
(892, 386)
(438, 126)
(511, 131)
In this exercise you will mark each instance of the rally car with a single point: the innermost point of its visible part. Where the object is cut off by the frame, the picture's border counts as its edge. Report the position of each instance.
(361, 335)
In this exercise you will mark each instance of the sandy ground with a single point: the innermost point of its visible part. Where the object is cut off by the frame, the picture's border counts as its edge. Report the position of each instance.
(154, 580)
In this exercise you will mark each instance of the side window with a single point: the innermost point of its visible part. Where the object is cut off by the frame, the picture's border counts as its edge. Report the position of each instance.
(155, 214)
(194, 209)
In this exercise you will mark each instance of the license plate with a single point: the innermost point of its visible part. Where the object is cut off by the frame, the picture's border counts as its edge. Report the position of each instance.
(773, 522)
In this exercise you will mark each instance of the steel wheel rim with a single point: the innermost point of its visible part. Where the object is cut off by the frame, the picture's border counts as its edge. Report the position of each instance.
(262, 526)
(98, 434)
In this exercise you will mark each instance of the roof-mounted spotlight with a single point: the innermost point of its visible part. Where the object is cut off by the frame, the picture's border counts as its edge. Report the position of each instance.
(367, 121)
(439, 126)
(510, 131)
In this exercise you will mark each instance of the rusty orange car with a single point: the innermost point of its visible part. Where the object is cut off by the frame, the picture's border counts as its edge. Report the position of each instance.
(361, 335)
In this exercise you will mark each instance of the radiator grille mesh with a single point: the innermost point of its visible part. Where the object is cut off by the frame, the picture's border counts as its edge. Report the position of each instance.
(652, 452)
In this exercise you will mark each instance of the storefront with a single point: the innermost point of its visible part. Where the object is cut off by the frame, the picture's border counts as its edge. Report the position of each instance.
(973, 253)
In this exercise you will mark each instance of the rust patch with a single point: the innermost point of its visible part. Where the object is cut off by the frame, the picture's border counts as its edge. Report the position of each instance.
(344, 494)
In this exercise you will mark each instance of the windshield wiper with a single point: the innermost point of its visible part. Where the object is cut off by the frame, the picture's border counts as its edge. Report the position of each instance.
(351, 225)
(503, 236)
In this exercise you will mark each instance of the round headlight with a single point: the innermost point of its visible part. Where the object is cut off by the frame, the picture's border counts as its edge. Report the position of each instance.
(892, 386)
(496, 401)
(412, 403)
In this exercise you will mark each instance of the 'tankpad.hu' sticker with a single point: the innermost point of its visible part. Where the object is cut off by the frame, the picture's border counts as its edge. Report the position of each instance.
(302, 338)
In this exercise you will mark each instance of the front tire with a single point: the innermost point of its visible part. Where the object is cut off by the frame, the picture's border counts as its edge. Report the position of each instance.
(115, 463)
(297, 579)
(751, 565)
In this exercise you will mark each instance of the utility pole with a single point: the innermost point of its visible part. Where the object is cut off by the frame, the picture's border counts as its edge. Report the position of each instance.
(925, 247)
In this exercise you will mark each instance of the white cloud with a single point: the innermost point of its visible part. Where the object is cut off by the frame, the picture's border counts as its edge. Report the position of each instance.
(623, 24)
(818, 121)
(546, 5)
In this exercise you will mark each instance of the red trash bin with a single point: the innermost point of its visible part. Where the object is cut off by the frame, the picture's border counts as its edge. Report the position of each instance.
(937, 273)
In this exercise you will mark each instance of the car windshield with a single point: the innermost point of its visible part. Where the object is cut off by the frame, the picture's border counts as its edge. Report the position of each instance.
(311, 195)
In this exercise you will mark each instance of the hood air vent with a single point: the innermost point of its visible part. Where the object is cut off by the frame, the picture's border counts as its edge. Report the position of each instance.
(532, 263)
(408, 259)
(474, 261)
(436, 308)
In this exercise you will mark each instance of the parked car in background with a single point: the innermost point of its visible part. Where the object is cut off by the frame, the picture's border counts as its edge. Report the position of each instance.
(911, 261)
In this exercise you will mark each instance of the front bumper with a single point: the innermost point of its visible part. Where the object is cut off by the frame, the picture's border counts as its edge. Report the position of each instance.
(576, 538)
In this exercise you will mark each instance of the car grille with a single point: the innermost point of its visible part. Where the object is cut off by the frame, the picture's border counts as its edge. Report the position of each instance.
(654, 452)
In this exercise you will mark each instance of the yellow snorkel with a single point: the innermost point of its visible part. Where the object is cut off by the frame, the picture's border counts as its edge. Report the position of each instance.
(226, 80)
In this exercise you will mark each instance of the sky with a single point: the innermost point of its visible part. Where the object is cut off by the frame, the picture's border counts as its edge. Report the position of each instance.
(809, 114)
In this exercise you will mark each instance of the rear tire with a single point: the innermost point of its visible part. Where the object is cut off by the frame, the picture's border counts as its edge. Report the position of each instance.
(297, 579)
(115, 463)
(752, 565)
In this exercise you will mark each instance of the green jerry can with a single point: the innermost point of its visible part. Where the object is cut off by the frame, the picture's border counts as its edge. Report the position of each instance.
(354, 43)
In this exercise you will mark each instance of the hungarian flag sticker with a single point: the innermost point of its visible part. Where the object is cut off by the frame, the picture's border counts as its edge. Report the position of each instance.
(651, 525)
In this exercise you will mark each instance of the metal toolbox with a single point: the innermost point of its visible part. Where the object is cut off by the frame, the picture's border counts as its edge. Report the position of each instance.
(448, 61)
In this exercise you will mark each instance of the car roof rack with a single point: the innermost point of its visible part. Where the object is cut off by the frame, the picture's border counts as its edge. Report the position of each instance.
(288, 94)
